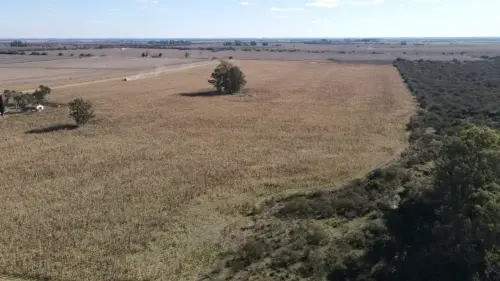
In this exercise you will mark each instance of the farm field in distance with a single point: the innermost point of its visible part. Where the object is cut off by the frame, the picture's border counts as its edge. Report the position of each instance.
(157, 186)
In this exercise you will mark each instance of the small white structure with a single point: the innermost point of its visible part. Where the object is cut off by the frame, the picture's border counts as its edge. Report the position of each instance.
(40, 108)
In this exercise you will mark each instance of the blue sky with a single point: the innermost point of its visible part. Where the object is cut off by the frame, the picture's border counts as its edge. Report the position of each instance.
(247, 18)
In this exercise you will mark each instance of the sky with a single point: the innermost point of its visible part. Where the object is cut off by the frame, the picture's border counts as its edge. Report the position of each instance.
(248, 18)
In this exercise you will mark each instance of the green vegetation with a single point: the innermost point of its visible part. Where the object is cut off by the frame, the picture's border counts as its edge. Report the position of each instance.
(40, 95)
(432, 215)
(227, 78)
(22, 101)
(81, 111)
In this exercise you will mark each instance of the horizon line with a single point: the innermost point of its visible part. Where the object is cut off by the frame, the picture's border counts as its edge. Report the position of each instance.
(219, 38)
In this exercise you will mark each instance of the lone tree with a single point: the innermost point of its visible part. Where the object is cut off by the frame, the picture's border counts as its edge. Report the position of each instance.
(227, 78)
(41, 93)
(81, 111)
(186, 55)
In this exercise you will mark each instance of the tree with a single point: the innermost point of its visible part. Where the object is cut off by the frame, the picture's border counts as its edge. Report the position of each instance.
(26, 99)
(21, 100)
(18, 99)
(7, 94)
(81, 111)
(227, 78)
(41, 93)
(160, 54)
(253, 43)
(60, 54)
(186, 55)
(265, 44)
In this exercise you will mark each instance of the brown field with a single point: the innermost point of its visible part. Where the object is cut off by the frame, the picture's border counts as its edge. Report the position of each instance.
(153, 189)
(29, 74)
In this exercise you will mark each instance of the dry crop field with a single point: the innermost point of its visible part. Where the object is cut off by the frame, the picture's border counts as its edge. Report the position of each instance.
(29, 74)
(155, 187)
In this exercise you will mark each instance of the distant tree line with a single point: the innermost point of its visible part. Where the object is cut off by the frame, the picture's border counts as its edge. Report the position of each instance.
(18, 44)
(170, 42)
(241, 43)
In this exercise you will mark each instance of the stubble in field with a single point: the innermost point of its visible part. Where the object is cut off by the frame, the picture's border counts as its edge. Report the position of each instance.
(153, 189)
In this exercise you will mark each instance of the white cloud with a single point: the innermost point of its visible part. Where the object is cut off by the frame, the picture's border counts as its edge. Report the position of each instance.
(275, 9)
(324, 3)
(370, 2)
(244, 3)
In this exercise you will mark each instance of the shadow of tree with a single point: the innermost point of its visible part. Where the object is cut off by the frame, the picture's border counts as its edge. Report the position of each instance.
(201, 94)
(62, 127)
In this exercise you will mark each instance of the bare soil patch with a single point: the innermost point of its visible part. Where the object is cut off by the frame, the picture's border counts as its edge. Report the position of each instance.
(152, 190)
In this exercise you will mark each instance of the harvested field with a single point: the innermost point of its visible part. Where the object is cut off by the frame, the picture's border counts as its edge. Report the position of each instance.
(67, 71)
(153, 189)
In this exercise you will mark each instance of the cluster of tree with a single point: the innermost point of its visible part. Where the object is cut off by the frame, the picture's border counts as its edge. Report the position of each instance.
(81, 110)
(24, 101)
(434, 215)
(82, 55)
(18, 43)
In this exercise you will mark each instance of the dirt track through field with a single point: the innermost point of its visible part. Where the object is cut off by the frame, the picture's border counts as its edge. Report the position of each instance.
(142, 75)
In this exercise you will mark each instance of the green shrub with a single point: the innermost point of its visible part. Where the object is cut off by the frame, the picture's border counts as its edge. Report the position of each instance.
(41, 93)
(81, 111)
(227, 78)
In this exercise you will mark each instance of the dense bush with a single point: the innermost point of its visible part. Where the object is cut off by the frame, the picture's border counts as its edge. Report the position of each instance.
(81, 111)
(453, 93)
(227, 78)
